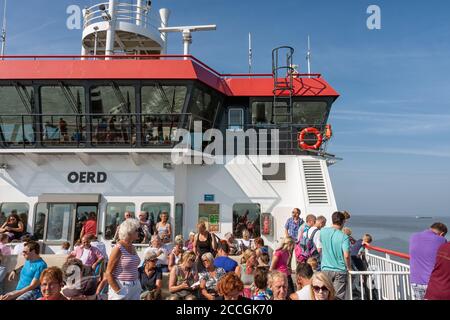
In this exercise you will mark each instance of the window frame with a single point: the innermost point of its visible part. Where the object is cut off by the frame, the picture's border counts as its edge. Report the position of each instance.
(242, 124)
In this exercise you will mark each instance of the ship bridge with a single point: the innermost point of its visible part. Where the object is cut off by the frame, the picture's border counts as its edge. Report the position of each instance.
(139, 102)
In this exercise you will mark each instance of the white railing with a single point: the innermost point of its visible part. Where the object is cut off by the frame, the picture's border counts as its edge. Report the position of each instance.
(385, 279)
(127, 12)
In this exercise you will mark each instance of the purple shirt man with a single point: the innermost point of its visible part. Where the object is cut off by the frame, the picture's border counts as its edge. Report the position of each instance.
(423, 248)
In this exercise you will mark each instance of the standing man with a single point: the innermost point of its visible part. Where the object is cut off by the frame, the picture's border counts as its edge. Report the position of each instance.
(321, 221)
(335, 261)
(90, 226)
(28, 287)
(293, 224)
(423, 247)
(439, 284)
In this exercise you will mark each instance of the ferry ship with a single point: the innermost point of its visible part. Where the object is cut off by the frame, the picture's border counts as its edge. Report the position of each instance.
(98, 133)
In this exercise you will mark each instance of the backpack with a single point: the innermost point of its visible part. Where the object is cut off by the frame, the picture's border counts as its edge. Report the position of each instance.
(305, 247)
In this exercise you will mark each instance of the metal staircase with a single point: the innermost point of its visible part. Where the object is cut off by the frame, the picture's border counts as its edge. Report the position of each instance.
(283, 90)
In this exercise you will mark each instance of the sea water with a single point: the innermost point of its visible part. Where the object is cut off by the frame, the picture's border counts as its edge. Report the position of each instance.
(391, 232)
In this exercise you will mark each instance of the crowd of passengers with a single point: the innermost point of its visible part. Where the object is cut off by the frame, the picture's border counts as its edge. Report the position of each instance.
(201, 267)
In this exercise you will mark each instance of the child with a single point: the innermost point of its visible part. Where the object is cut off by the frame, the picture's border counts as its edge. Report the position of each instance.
(357, 252)
(260, 290)
(260, 248)
(348, 232)
(51, 283)
(64, 248)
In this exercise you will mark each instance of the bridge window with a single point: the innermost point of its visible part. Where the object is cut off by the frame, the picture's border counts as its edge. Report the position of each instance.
(310, 113)
(113, 121)
(115, 215)
(16, 106)
(261, 112)
(203, 106)
(306, 113)
(246, 216)
(160, 108)
(235, 119)
(163, 99)
(63, 119)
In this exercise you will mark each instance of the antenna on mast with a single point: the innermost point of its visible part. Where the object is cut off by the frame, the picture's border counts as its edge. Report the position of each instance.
(308, 57)
(250, 53)
(3, 35)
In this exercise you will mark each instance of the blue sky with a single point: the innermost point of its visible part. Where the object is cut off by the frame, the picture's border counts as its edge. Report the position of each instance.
(392, 122)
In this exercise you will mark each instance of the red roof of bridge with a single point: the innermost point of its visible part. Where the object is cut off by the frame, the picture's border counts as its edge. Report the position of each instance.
(152, 67)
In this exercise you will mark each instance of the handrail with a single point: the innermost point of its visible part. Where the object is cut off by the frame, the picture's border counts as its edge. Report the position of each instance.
(124, 12)
(387, 251)
(156, 56)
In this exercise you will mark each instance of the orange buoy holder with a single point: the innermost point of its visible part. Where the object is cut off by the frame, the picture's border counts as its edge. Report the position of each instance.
(301, 139)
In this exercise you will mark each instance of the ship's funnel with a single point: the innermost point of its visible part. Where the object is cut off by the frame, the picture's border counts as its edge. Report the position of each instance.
(164, 13)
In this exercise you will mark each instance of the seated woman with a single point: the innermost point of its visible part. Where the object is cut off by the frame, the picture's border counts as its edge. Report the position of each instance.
(150, 277)
(210, 277)
(182, 278)
(249, 263)
(51, 284)
(189, 244)
(13, 227)
(177, 252)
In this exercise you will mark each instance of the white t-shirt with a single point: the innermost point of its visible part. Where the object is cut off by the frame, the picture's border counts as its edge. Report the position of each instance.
(85, 255)
(317, 241)
(304, 293)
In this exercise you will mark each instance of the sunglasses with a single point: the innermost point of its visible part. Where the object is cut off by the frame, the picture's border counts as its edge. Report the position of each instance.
(318, 289)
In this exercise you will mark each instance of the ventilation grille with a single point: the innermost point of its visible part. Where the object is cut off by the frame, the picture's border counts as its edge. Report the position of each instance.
(315, 183)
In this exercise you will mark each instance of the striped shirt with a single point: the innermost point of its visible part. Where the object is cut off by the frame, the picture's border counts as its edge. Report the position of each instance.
(127, 267)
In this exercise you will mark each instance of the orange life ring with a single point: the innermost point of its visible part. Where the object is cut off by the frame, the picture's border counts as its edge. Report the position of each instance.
(301, 139)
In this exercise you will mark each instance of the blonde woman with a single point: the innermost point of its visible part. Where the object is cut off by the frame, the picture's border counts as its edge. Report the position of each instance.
(281, 261)
(183, 277)
(177, 252)
(249, 263)
(321, 287)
